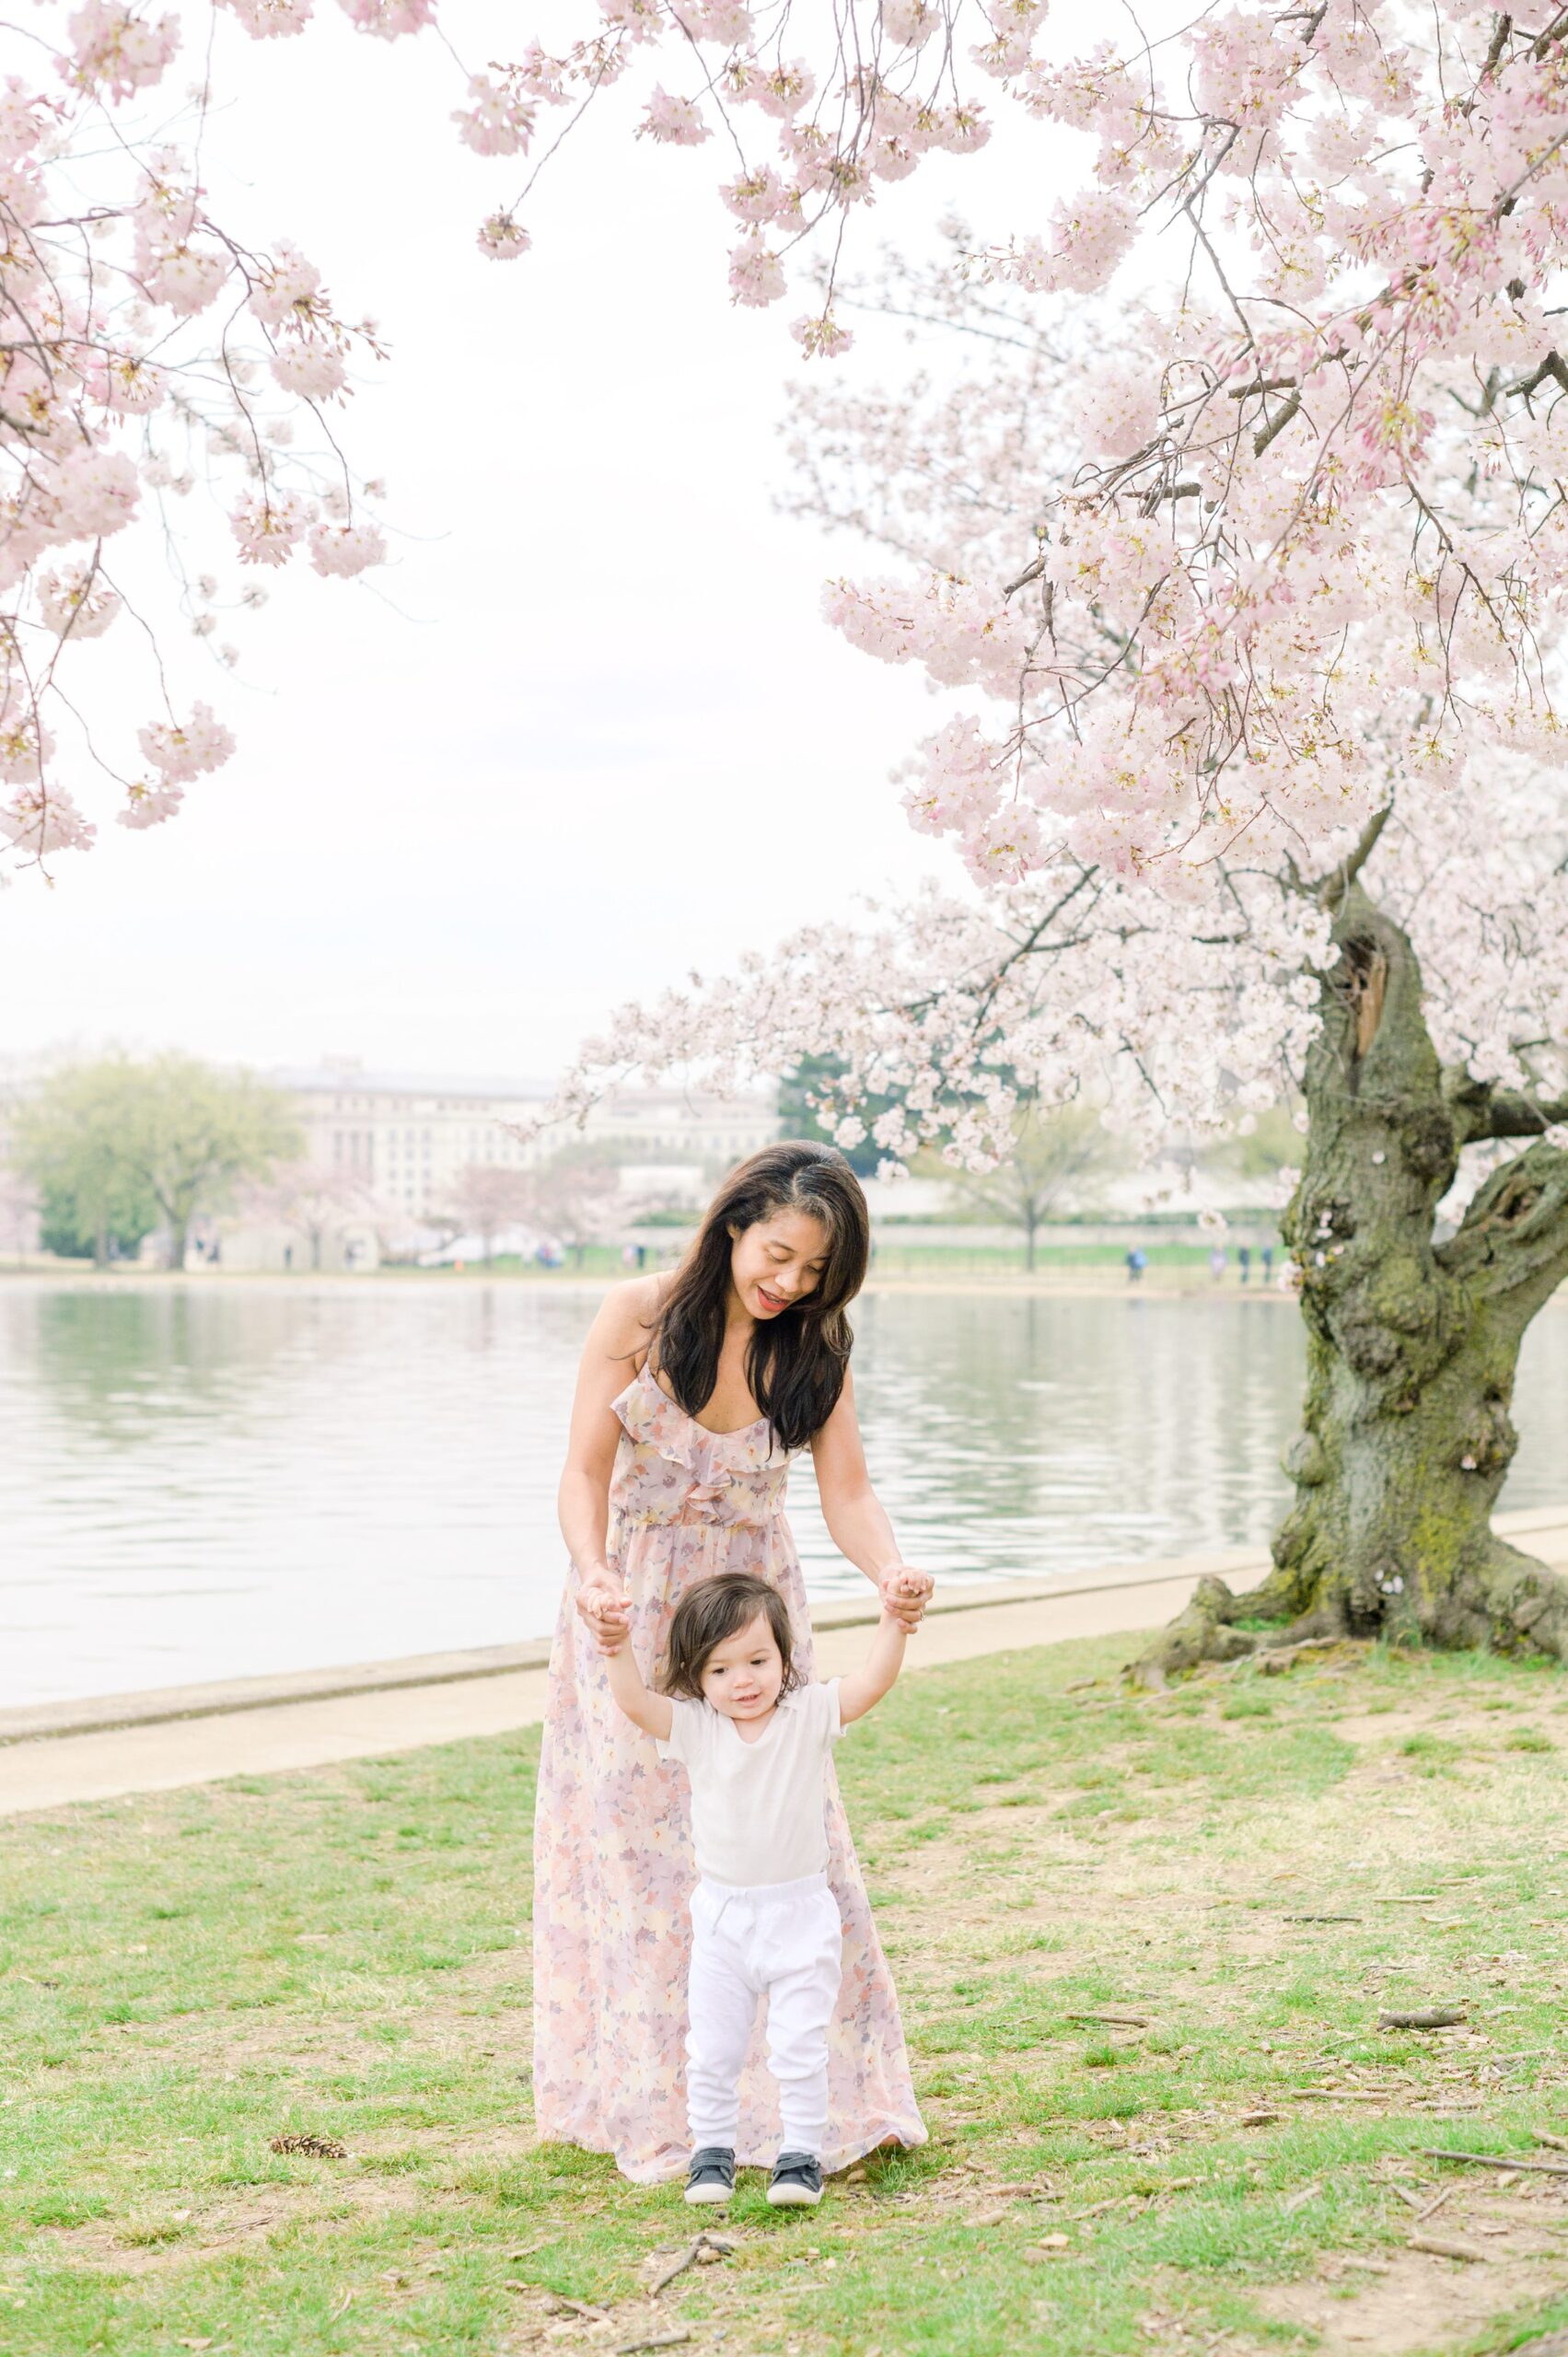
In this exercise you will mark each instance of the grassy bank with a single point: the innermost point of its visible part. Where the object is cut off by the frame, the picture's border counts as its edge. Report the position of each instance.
(1244, 1872)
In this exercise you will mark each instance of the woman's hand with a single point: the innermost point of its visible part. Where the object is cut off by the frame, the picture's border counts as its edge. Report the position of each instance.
(905, 1593)
(605, 1607)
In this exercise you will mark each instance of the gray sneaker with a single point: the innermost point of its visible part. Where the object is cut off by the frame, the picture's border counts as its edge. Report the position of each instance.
(710, 2176)
(797, 2181)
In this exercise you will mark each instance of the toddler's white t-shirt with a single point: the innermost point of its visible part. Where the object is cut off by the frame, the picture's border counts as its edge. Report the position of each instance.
(758, 1809)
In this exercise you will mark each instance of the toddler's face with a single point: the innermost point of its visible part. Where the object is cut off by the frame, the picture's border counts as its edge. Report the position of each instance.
(742, 1676)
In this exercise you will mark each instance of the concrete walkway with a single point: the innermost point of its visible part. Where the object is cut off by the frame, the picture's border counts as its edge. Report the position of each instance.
(103, 1748)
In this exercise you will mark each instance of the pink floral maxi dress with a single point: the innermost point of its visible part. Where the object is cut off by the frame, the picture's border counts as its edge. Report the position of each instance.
(612, 1845)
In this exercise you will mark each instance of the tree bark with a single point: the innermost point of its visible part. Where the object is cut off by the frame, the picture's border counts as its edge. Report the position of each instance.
(1412, 1345)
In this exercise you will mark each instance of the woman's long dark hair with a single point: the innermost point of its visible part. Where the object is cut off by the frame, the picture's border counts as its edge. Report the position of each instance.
(795, 1367)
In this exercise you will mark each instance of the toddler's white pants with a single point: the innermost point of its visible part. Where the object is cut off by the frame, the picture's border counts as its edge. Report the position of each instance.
(783, 1941)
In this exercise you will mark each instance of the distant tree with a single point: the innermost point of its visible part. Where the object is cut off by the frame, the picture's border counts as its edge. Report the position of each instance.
(70, 1146)
(312, 1199)
(195, 1131)
(19, 1214)
(575, 1197)
(808, 1083)
(123, 1144)
(1052, 1154)
(487, 1197)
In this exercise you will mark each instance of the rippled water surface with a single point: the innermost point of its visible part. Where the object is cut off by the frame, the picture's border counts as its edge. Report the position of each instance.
(208, 1481)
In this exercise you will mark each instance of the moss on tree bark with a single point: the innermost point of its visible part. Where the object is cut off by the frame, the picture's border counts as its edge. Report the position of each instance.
(1412, 1345)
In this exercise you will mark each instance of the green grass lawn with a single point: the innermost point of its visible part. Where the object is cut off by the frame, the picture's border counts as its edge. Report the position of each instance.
(1247, 1868)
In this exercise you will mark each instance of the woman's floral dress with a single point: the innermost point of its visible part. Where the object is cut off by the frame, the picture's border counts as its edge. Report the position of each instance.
(613, 1867)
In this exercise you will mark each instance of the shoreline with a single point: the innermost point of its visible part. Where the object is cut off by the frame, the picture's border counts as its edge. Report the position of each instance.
(194, 1736)
(1079, 1283)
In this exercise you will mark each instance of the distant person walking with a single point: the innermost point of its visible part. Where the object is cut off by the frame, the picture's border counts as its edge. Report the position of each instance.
(1217, 1262)
(1267, 1257)
(697, 1387)
(1244, 1260)
(1137, 1261)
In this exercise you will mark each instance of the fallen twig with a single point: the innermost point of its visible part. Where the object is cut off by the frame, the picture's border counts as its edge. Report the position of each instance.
(1495, 2161)
(1558, 2143)
(1117, 2021)
(1430, 2208)
(1445, 2247)
(1325, 1918)
(1258, 2118)
(654, 2340)
(692, 2256)
(560, 2306)
(1422, 2017)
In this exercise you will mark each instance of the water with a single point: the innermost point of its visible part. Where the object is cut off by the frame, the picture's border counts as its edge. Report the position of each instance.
(219, 1481)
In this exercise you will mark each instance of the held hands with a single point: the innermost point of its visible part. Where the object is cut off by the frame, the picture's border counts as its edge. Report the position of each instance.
(605, 1608)
(905, 1593)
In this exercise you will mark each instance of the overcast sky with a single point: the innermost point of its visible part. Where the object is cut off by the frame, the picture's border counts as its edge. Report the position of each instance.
(587, 731)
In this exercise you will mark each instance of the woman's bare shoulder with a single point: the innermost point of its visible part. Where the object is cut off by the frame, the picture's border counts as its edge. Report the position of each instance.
(627, 1312)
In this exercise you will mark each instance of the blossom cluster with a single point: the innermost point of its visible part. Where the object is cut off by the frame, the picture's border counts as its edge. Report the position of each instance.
(146, 348)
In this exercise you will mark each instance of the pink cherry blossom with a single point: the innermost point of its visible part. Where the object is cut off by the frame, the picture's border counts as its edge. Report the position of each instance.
(822, 339)
(756, 274)
(77, 600)
(94, 493)
(263, 21)
(287, 292)
(675, 123)
(347, 548)
(268, 527)
(498, 121)
(388, 20)
(117, 51)
(501, 239)
(180, 753)
(150, 804)
(313, 370)
(38, 820)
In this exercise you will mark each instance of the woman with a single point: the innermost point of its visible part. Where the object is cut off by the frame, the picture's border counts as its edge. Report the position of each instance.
(696, 1388)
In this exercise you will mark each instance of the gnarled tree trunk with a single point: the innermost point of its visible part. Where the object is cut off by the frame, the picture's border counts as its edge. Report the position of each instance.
(1412, 1345)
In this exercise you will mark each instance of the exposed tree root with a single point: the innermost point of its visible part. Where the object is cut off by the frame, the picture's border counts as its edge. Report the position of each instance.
(1507, 1603)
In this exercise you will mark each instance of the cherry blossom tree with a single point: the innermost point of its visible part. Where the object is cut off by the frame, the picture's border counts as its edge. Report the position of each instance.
(316, 1200)
(486, 1197)
(1405, 966)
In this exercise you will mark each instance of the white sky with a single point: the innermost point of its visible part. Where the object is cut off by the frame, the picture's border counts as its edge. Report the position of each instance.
(598, 735)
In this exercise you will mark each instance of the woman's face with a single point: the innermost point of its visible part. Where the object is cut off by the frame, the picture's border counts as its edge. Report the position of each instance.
(777, 1262)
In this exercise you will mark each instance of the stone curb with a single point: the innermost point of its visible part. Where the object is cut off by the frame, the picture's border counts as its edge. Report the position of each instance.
(155, 1705)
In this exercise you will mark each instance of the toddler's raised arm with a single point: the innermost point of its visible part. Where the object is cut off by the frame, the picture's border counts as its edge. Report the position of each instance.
(652, 1713)
(863, 1688)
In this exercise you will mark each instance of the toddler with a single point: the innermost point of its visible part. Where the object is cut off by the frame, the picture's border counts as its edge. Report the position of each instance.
(754, 1736)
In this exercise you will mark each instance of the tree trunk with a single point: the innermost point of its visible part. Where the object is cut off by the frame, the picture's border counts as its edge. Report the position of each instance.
(1412, 1345)
(1030, 1226)
(179, 1239)
(100, 1246)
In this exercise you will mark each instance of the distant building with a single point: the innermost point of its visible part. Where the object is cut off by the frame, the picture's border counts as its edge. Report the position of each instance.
(407, 1138)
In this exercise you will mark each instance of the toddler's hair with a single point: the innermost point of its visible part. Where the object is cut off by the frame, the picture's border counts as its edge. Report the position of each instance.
(713, 1610)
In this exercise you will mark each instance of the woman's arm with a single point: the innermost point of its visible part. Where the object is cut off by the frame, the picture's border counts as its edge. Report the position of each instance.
(617, 1339)
(857, 1524)
(652, 1713)
(863, 1688)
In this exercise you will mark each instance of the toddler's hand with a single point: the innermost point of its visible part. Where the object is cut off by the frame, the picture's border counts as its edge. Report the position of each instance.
(905, 1594)
(611, 1625)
